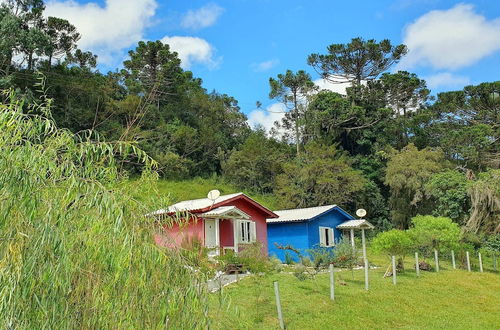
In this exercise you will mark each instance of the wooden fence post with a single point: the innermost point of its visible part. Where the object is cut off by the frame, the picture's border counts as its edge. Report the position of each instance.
(453, 259)
(394, 270)
(468, 260)
(436, 260)
(417, 265)
(332, 283)
(366, 274)
(278, 304)
(480, 262)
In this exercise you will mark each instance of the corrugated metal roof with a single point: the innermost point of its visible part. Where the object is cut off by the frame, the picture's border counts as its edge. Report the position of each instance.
(195, 204)
(230, 211)
(356, 224)
(300, 214)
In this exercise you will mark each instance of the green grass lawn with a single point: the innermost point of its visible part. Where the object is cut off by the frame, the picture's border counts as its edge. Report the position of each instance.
(176, 191)
(450, 299)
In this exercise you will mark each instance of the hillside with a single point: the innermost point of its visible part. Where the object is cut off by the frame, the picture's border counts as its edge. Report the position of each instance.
(175, 191)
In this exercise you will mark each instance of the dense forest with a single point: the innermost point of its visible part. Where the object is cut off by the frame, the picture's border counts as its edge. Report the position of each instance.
(389, 145)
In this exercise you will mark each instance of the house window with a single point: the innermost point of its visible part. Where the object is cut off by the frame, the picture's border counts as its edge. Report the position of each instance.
(247, 231)
(326, 237)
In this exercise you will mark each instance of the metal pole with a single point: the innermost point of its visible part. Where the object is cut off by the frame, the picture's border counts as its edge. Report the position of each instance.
(436, 259)
(480, 263)
(453, 259)
(332, 283)
(366, 274)
(363, 240)
(394, 270)
(352, 239)
(417, 265)
(468, 260)
(278, 304)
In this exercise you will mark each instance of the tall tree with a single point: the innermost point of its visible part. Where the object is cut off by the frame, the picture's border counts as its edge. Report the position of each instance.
(62, 38)
(408, 171)
(323, 175)
(357, 61)
(291, 89)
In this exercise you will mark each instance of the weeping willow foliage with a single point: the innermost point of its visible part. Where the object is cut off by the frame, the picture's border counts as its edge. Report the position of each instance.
(485, 200)
(75, 248)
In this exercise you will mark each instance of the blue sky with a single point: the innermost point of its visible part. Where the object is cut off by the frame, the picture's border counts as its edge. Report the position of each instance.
(236, 45)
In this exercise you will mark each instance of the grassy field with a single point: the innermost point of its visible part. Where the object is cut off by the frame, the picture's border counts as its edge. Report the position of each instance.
(176, 191)
(450, 299)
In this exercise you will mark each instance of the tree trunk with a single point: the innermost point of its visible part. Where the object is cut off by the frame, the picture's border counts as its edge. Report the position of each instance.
(297, 137)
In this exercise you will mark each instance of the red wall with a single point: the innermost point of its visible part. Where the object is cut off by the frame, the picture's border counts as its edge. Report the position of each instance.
(175, 235)
(256, 215)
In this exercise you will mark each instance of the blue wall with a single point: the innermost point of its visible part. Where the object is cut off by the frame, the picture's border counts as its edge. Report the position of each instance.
(287, 233)
(303, 235)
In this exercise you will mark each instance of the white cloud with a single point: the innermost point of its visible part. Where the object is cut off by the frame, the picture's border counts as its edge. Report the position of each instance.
(334, 87)
(446, 79)
(266, 65)
(108, 30)
(201, 18)
(192, 50)
(450, 39)
(266, 118)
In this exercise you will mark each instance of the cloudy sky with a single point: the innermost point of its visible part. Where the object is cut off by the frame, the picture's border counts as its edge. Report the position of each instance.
(236, 45)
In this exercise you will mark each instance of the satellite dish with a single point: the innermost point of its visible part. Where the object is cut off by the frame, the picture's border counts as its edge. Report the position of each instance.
(213, 194)
(361, 213)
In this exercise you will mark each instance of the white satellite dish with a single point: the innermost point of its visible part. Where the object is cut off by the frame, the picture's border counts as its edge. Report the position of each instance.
(213, 195)
(361, 213)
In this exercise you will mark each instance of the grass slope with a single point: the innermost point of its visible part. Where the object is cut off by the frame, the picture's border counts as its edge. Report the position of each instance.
(450, 299)
(176, 191)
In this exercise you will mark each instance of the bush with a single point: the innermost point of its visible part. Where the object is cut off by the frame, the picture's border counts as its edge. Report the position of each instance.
(394, 242)
(251, 259)
(431, 233)
(322, 257)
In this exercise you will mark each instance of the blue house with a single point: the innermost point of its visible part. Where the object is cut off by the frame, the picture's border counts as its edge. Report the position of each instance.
(304, 229)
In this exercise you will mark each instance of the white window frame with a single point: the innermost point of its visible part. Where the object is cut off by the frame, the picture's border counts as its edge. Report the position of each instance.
(326, 236)
(246, 232)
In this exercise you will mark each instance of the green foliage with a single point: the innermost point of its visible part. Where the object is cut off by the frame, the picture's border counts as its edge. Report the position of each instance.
(408, 171)
(492, 244)
(394, 242)
(345, 255)
(429, 233)
(358, 60)
(485, 200)
(321, 257)
(256, 163)
(292, 90)
(250, 257)
(448, 192)
(322, 176)
(76, 249)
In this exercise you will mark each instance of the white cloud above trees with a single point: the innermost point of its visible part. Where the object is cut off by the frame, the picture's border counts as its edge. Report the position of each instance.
(203, 17)
(265, 65)
(450, 39)
(446, 79)
(266, 118)
(192, 50)
(106, 30)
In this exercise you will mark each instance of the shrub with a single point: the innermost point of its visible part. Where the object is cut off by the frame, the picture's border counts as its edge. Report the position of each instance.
(322, 257)
(394, 242)
(431, 233)
(251, 258)
(76, 250)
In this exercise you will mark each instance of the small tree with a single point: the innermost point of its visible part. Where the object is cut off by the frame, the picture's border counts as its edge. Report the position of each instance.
(394, 242)
(431, 233)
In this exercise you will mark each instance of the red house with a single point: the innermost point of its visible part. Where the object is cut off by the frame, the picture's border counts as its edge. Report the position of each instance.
(228, 222)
